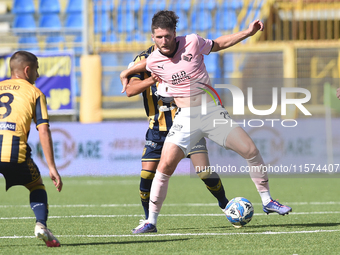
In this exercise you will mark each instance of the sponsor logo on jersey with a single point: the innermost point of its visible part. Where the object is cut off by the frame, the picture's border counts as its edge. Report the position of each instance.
(179, 77)
(8, 126)
(151, 144)
(225, 114)
(170, 134)
(198, 146)
(177, 127)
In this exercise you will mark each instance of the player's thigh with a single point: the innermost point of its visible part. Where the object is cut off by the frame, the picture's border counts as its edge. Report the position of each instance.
(152, 152)
(199, 155)
(153, 149)
(225, 132)
(239, 141)
(217, 124)
(26, 174)
(171, 156)
(182, 134)
(200, 161)
(150, 165)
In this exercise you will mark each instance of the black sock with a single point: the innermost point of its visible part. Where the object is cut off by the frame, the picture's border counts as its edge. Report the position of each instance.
(215, 186)
(144, 189)
(38, 201)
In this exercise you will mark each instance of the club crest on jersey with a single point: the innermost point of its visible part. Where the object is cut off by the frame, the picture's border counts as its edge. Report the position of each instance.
(187, 57)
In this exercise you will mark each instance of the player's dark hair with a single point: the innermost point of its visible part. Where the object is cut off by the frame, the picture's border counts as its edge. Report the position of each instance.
(164, 20)
(23, 56)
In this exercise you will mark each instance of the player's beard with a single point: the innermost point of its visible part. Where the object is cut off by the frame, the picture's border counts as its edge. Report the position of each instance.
(168, 50)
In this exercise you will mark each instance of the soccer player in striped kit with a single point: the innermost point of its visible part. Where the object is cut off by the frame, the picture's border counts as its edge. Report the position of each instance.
(20, 102)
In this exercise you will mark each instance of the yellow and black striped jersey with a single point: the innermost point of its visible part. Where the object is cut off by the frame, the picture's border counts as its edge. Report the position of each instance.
(160, 114)
(20, 102)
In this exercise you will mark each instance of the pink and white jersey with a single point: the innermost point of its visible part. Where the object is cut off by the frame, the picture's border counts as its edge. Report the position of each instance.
(185, 72)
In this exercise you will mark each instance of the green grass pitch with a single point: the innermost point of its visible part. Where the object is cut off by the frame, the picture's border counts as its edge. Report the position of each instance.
(95, 215)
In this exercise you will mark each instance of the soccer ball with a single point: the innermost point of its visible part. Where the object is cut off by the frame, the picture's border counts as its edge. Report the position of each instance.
(239, 211)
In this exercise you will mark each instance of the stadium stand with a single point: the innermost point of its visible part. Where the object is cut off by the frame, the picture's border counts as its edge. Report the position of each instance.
(50, 20)
(149, 9)
(28, 43)
(74, 20)
(74, 6)
(184, 5)
(26, 21)
(101, 22)
(53, 42)
(201, 20)
(122, 27)
(126, 16)
(49, 6)
(103, 5)
(23, 6)
(78, 49)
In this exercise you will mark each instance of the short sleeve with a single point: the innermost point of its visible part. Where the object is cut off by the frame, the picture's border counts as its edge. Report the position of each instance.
(204, 45)
(41, 115)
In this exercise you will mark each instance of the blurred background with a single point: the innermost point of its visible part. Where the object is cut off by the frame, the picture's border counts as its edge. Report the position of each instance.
(85, 44)
(300, 41)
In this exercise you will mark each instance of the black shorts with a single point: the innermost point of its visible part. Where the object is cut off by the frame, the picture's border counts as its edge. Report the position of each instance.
(19, 173)
(154, 143)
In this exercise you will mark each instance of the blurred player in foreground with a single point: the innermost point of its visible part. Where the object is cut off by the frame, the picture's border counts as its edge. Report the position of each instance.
(338, 93)
(161, 114)
(178, 63)
(20, 102)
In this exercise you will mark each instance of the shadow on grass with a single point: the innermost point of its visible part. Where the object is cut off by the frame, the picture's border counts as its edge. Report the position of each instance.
(290, 226)
(187, 229)
(306, 225)
(127, 242)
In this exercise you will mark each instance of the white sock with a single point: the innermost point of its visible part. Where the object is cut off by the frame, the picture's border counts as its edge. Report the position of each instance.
(265, 196)
(158, 192)
(153, 218)
(258, 176)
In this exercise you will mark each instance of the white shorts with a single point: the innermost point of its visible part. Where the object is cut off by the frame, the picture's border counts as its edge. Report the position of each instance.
(190, 125)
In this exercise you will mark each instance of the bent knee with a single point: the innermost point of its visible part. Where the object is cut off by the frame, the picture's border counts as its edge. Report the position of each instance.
(253, 152)
(167, 167)
(34, 185)
(250, 152)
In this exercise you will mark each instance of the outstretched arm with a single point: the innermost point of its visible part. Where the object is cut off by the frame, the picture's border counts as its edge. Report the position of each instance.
(338, 93)
(46, 143)
(137, 68)
(227, 41)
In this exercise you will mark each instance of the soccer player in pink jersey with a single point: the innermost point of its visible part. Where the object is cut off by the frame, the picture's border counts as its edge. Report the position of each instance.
(160, 115)
(179, 65)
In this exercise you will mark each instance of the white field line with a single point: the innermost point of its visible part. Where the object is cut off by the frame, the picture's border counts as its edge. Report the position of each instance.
(101, 182)
(161, 215)
(184, 204)
(185, 234)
